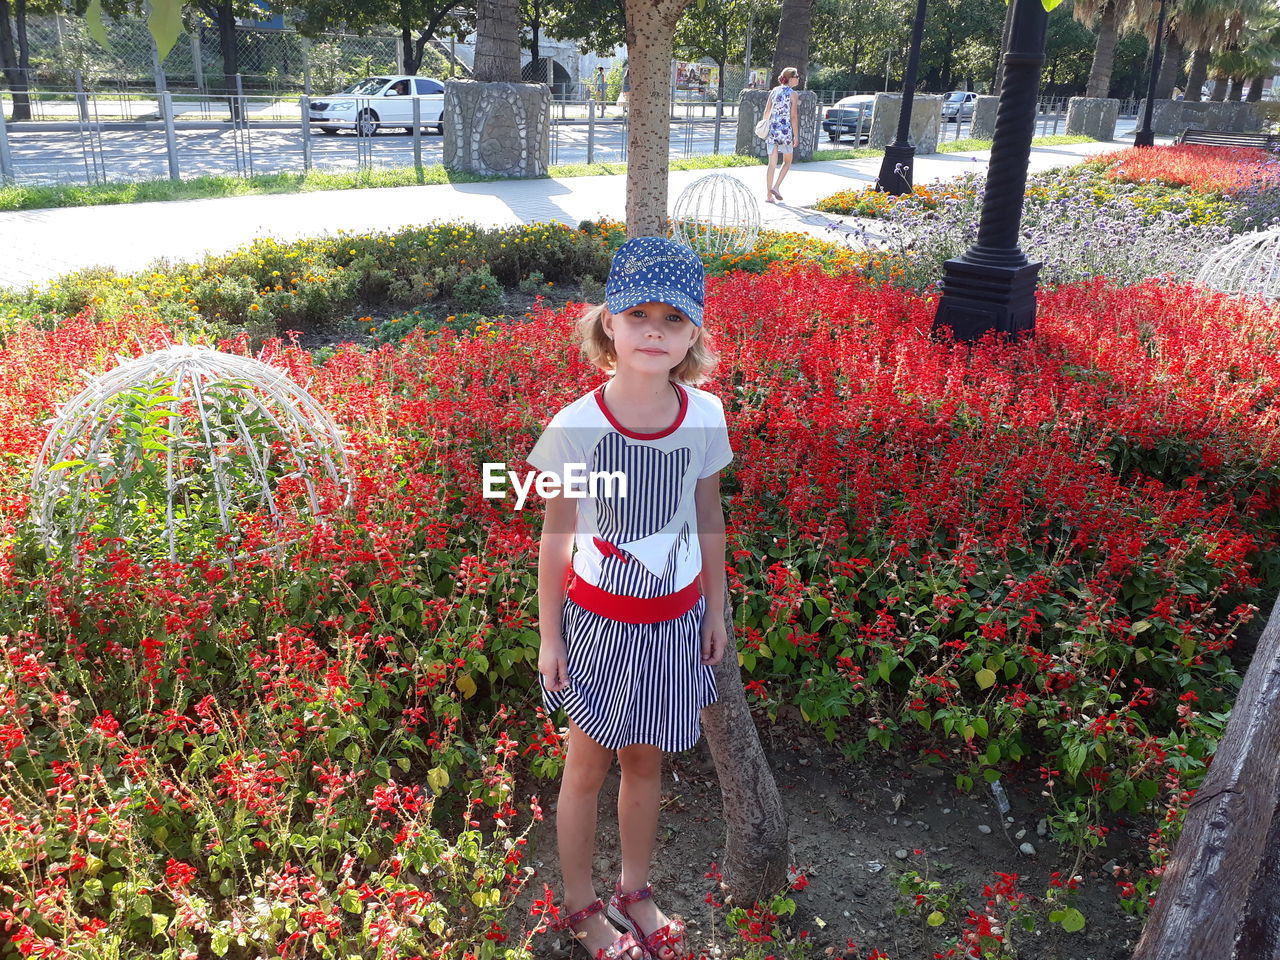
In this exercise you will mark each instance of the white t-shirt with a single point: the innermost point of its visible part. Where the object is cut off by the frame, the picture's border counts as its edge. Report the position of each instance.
(643, 544)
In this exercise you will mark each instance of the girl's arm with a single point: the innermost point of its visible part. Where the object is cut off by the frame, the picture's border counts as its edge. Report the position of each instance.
(711, 542)
(554, 551)
(795, 119)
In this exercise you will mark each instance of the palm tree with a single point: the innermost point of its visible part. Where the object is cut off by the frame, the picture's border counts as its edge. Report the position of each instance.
(1249, 48)
(1204, 25)
(1109, 14)
(795, 30)
(497, 58)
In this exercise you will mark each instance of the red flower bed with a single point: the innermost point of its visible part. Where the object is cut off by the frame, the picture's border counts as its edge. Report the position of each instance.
(1198, 166)
(1029, 554)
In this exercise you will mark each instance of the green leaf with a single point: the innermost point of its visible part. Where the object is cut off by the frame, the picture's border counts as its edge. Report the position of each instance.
(438, 779)
(985, 678)
(164, 20)
(1072, 920)
(220, 943)
(97, 30)
(935, 919)
(1050, 4)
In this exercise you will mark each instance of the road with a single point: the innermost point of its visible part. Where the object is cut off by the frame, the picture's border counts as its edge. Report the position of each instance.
(69, 156)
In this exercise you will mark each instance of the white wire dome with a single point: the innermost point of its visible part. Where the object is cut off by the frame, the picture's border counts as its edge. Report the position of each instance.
(716, 215)
(1248, 264)
(172, 449)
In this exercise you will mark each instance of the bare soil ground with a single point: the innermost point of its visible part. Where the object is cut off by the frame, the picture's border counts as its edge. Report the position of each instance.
(850, 827)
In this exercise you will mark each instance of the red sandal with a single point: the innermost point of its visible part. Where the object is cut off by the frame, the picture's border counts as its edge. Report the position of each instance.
(668, 936)
(620, 949)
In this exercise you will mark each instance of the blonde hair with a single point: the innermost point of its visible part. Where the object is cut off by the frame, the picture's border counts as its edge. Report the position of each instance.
(787, 73)
(597, 347)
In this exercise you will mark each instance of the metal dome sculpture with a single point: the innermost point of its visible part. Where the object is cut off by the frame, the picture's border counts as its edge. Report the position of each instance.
(1249, 264)
(186, 449)
(717, 215)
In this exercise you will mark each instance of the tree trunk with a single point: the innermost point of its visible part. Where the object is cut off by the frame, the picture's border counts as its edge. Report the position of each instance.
(1255, 89)
(757, 848)
(857, 56)
(497, 42)
(1217, 893)
(650, 28)
(720, 85)
(1219, 92)
(795, 30)
(230, 57)
(1004, 45)
(1170, 66)
(539, 72)
(1104, 54)
(1197, 73)
(1236, 89)
(14, 58)
(412, 52)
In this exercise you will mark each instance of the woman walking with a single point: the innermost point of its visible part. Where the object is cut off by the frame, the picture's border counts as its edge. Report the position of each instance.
(784, 122)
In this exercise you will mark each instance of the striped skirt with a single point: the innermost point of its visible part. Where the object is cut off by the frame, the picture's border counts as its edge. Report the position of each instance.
(635, 682)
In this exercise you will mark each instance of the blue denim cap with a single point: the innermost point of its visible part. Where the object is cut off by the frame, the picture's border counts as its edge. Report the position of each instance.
(656, 270)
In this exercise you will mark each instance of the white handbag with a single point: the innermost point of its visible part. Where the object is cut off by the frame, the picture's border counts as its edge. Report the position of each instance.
(762, 128)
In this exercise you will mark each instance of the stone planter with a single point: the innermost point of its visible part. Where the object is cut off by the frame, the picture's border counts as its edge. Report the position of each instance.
(1170, 117)
(497, 129)
(1092, 117)
(750, 109)
(984, 118)
(926, 121)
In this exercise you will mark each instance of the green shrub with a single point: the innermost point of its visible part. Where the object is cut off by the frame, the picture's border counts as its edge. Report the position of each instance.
(478, 292)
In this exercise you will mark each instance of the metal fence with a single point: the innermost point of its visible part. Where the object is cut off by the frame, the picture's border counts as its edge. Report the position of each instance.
(84, 138)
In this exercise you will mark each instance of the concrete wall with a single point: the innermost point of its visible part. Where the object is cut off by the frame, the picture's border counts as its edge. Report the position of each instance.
(1170, 117)
(984, 118)
(497, 129)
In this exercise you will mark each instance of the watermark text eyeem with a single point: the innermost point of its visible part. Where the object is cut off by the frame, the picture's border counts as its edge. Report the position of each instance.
(576, 482)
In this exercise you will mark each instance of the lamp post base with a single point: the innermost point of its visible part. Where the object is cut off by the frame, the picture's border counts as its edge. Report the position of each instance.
(895, 169)
(979, 298)
(1144, 138)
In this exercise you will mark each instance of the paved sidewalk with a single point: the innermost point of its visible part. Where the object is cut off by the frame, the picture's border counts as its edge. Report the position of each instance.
(40, 245)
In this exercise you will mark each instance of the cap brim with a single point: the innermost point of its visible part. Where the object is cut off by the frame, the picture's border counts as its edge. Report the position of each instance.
(634, 296)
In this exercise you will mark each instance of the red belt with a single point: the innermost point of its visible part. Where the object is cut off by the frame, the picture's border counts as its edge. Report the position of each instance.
(626, 609)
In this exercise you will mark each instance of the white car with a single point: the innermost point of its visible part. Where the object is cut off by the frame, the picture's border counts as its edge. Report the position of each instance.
(381, 102)
(958, 105)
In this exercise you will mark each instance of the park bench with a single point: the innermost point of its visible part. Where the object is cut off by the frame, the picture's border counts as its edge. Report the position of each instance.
(1222, 138)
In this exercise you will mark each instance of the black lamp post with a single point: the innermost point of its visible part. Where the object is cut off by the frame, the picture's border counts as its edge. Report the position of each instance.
(1145, 136)
(992, 286)
(899, 156)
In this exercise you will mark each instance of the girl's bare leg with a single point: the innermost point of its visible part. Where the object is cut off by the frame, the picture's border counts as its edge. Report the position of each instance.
(638, 801)
(773, 161)
(585, 767)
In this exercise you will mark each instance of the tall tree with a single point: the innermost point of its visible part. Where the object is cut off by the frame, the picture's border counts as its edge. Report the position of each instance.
(418, 21)
(497, 41)
(1109, 14)
(716, 30)
(651, 27)
(795, 31)
(596, 26)
(15, 49)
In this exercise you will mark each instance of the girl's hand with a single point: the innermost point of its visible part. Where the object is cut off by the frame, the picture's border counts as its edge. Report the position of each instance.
(553, 664)
(714, 640)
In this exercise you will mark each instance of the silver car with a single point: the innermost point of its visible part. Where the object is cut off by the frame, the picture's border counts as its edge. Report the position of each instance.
(958, 106)
(381, 102)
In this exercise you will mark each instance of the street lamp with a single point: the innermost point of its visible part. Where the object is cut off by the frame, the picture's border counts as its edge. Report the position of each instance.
(992, 286)
(1145, 136)
(899, 156)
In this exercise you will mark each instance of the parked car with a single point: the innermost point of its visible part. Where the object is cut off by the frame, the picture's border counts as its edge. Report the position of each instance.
(381, 102)
(848, 116)
(958, 106)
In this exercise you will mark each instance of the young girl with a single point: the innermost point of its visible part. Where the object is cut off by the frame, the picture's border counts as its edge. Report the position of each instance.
(784, 124)
(628, 652)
